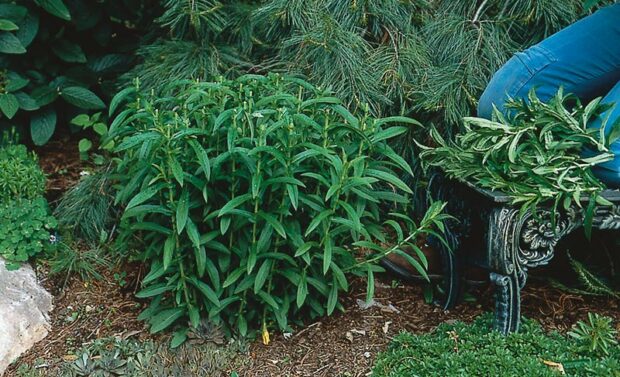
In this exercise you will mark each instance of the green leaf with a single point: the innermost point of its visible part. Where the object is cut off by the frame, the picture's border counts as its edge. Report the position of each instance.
(262, 275)
(120, 98)
(233, 277)
(332, 299)
(302, 291)
(9, 44)
(154, 290)
(268, 299)
(179, 337)
(192, 232)
(234, 203)
(200, 254)
(6, 25)
(165, 318)
(169, 247)
(56, 8)
(42, 125)
(68, 52)
(9, 105)
(273, 221)
(317, 220)
(206, 290)
(82, 98)
(203, 158)
(182, 211)
(143, 196)
(84, 145)
(327, 255)
(177, 171)
(26, 102)
(390, 178)
(28, 29)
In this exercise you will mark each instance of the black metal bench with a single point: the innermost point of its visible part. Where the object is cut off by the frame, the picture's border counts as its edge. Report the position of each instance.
(491, 233)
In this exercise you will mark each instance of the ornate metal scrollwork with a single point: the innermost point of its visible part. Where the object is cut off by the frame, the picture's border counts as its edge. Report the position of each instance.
(607, 218)
(539, 236)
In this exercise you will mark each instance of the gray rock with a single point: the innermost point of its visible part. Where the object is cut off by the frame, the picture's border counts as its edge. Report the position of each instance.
(24, 308)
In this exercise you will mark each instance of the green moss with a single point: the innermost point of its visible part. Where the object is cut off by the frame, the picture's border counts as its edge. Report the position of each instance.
(472, 350)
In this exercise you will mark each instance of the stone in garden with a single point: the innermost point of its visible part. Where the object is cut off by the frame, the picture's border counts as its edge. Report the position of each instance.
(24, 308)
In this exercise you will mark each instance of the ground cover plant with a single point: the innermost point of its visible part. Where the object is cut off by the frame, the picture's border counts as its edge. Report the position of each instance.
(535, 154)
(254, 200)
(26, 226)
(20, 174)
(472, 350)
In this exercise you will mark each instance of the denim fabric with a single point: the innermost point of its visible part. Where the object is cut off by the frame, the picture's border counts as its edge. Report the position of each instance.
(584, 58)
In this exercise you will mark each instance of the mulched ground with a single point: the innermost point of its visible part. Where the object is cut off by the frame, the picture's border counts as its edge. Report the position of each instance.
(345, 344)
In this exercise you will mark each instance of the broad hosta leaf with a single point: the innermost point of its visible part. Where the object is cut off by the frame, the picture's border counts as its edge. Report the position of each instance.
(82, 98)
(9, 105)
(15, 82)
(12, 12)
(56, 8)
(42, 126)
(9, 44)
(44, 95)
(68, 52)
(28, 29)
(26, 102)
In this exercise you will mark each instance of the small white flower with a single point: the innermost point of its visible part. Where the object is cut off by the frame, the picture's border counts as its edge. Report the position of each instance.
(84, 173)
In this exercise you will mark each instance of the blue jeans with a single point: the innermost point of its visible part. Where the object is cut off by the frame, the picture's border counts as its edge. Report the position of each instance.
(584, 58)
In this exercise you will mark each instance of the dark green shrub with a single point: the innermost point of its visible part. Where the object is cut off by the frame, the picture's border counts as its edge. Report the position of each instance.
(20, 174)
(474, 350)
(253, 200)
(53, 50)
(26, 229)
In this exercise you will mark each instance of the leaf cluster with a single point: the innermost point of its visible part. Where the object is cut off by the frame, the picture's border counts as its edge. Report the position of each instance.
(20, 174)
(254, 200)
(25, 230)
(59, 57)
(472, 350)
(535, 154)
(597, 336)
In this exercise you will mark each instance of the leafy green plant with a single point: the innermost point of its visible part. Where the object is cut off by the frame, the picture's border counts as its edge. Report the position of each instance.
(95, 123)
(596, 336)
(534, 155)
(253, 200)
(26, 230)
(87, 209)
(20, 174)
(58, 57)
(473, 350)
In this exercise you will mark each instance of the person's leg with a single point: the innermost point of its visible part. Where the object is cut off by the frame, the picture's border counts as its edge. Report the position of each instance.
(584, 58)
(609, 172)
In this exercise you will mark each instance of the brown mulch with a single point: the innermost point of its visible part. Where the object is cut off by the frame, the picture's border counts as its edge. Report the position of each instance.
(60, 160)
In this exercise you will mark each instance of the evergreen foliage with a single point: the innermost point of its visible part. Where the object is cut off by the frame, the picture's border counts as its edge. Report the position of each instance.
(431, 59)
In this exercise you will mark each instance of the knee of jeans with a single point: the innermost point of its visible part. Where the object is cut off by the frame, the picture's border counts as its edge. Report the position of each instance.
(504, 84)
